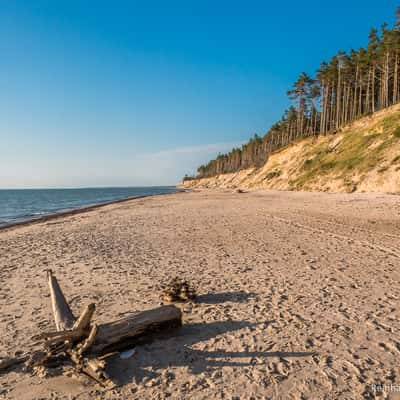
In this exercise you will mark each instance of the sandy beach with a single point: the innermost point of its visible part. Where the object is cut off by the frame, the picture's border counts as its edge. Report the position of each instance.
(299, 293)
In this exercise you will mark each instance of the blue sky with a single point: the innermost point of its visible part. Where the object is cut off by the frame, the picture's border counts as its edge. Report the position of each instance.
(132, 93)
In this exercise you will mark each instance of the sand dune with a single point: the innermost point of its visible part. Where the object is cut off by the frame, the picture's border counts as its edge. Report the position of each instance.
(361, 157)
(299, 293)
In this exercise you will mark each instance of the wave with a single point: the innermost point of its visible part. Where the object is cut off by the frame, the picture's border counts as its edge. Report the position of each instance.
(25, 205)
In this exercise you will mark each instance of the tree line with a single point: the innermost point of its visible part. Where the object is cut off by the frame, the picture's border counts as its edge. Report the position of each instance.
(348, 86)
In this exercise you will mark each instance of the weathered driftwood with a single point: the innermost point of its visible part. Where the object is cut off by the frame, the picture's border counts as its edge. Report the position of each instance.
(89, 341)
(52, 338)
(63, 316)
(88, 346)
(84, 319)
(69, 330)
(118, 334)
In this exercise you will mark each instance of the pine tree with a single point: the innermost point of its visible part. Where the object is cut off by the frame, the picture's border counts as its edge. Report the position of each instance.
(345, 88)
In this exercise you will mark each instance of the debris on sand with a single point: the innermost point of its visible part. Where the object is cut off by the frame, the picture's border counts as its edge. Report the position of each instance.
(85, 346)
(176, 290)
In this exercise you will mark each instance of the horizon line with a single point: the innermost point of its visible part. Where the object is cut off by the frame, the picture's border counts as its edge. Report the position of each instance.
(87, 187)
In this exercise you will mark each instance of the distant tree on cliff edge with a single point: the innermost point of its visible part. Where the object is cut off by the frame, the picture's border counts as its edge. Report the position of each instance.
(343, 89)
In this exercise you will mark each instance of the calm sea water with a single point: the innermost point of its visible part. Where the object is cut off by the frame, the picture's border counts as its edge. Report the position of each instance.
(27, 204)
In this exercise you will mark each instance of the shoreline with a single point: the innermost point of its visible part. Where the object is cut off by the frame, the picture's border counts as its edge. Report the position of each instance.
(85, 209)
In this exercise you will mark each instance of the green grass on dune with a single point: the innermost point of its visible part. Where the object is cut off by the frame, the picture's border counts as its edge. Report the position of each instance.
(359, 151)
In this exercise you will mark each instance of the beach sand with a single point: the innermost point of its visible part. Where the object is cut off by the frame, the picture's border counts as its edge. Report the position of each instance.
(299, 293)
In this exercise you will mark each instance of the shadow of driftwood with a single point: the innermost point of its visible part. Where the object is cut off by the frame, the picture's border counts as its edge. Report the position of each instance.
(193, 333)
(177, 351)
(223, 297)
(214, 359)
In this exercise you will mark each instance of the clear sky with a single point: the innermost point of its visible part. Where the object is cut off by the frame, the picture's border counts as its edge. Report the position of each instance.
(115, 93)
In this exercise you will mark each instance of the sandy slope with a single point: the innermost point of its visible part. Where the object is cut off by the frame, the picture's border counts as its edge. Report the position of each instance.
(299, 292)
(362, 157)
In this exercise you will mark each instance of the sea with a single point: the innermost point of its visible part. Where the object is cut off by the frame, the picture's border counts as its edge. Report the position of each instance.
(18, 205)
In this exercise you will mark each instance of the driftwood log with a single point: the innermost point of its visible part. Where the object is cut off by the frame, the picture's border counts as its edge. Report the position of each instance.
(135, 328)
(63, 317)
(86, 345)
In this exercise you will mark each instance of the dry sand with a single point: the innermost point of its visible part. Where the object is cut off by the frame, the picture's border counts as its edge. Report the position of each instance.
(299, 293)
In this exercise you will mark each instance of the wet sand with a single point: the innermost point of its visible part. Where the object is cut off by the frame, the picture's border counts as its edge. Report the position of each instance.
(299, 293)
